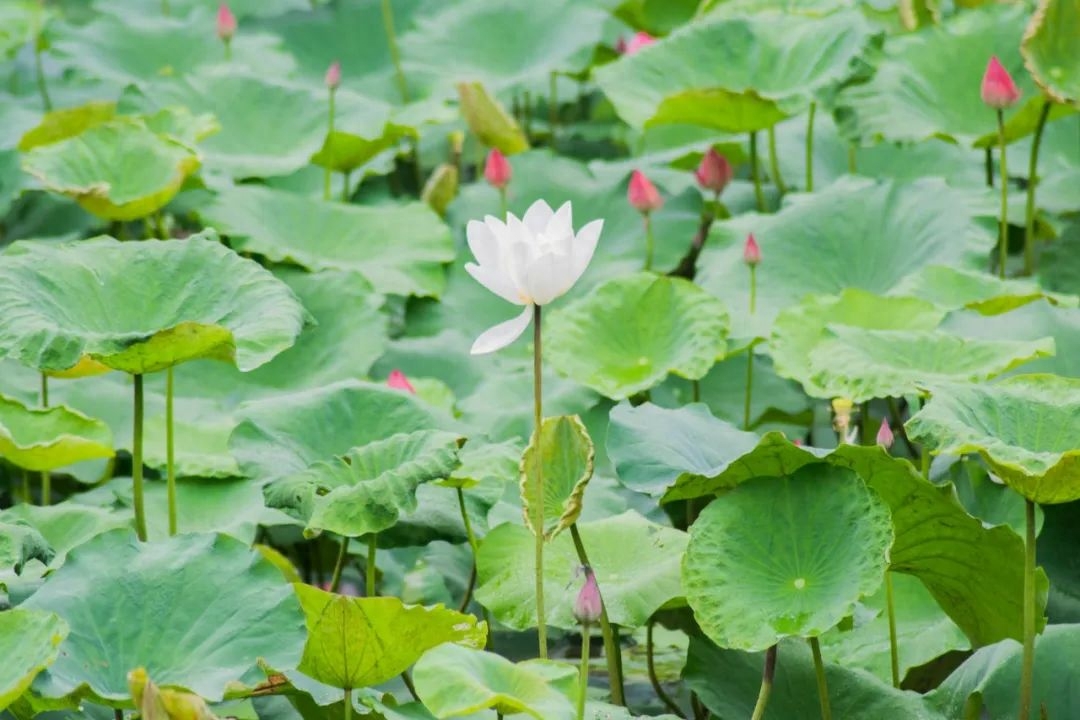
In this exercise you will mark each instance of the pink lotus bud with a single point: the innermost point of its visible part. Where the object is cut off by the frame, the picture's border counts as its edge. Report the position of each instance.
(998, 89)
(333, 75)
(714, 172)
(640, 40)
(885, 435)
(226, 22)
(398, 381)
(642, 194)
(588, 606)
(751, 253)
(797, 442)
(497, 169)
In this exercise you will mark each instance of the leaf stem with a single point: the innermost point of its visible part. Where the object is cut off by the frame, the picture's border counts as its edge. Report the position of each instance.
(1003, 240)
(538, 419)
(348, 704)
(774, 162)
(1033, 170)
(924, 463)
(46, 476)
(395, 55)
(472, 544)
(1027, 669)
(822, 686)
(170, 451)
(810, 148)
(649, 243)
(339, 566)
(371, 572)
(755, 175)
(651, 665)
(894, 646)
(767, 675)
(612, 652)
(852, 159)
(39, 73)
(583, 673)
(137, 461)
(345, 192)
(989, 162)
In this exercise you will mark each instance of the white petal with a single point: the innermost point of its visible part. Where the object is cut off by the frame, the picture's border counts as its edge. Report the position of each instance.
(498, 229)
(584, 247)
(496, 282)
(562, 222)
(502, 334)
(538, 216)
(482, 242)
(547, 276)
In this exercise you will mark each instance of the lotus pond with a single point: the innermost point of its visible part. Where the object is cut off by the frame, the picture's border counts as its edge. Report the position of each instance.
(429, 359)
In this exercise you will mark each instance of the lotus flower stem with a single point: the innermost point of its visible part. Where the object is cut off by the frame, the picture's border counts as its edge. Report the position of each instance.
(1033, 181)
(348, 703)
(170, 451)
(651, 665)
(538, 419)
(1027, 669)
(759, 196)
(774, 162)
(327, 172)
(371, 572)
(339, 566)
(767, 675)
(228, 50)
(612, 653)
(39, 73)
(583, 673)
(46, 476)
(137, 461)
(852, 159)
(894, 646)
(810, 148)
(395, 55)
(527, 109)
(1003, 241)
(822, 686)
(749, 386)
(989, 155)
(649, 241)
(503, 205)
(345, 193)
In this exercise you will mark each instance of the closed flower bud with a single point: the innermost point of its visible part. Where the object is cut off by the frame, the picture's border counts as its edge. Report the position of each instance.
(588, 606)
(497, 169)
(885, 435)
(639, 41)
(998, 89)
(333, 75)
(226, 22)
(714, 172)
(642, 194)
(751, 253)
(398, 381)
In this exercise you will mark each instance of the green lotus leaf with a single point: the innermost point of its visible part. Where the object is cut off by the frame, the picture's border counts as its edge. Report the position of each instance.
(861, 364)
(1022, 426)
(192, 9)
(854, 234)
(735, 73)
(20, 543)
(1049, 49)
(197, 612)
(801, 328)
(555, 470)
(344, 152)
(284, 435)
(464, 41)
(454, 681)
(118, 170)
(636, 564)
(727, 682)
(66, 526)
(782, 557)
(231, 507)
(955, 288)
(484, 463)
(360, 642)
(994, 674)
(927, 83)
(49, 438)
(106, 300)
(399, 248)
(67, 122)
(630, 333)
(28, 643)
(367, 489)
(181, 124)
(974, 572)
(489, 121)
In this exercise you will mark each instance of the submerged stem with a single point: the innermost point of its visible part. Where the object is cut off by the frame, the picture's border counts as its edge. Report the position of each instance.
(823, 687)
(339, 566)
(774, 162)
(612, 652)
(1033, 170)
(395, 55)
(894, 646)
(170, 451)
(583, 673)
(1003, 240)
(767, 675)
(755, 175)
(810, 148)
(538, 419)
(136, 462)
(371, 572)
(1027, 669)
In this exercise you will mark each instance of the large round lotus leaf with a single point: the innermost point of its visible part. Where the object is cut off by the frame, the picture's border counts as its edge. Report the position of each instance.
(956, 288)
(630, 333)
(636, 564)
(801, 328)
(465, 41)
(360, 642)
(118, 170)
(368, 488)
(854, 234)
(67, 526)
(28, 644)
(787, 556)
(229, 506)
(994, 673)
(140, 307)
(1023, 427)
(186, 8)
(861, 364)
(67, 122)
(400, 249)
(46, 439)
(927, 84)
(735, 73)
(197, 611)
(1049, 49)
(284, 435)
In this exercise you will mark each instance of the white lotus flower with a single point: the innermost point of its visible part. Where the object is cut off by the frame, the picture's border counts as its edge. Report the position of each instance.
(528, 262)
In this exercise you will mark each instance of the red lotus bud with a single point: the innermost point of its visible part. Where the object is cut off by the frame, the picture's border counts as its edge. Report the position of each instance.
(333, 75)
(588, 606)
(226, 22)
(497, 169)
(751, 253)
(998, 89)
(714, 172)
(885, 435)
(398, 381)
(642, 194)
(639, 41)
